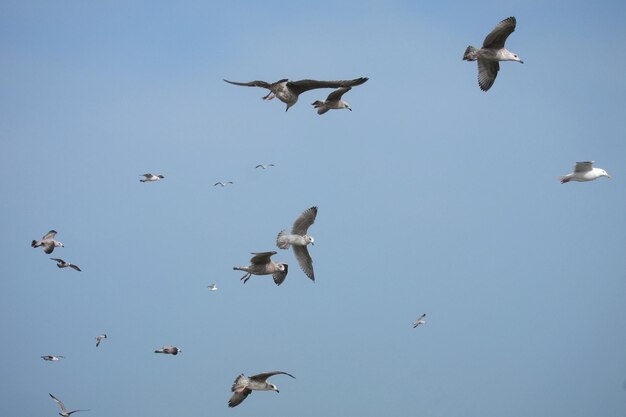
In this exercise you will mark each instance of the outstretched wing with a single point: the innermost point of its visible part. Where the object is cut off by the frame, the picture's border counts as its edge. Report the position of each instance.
(498, 35)
(305, 261)
(50, 235)
(262, 377)
(301, 86)
(48, 247)
(279, 276)
(302, 223)
(487, 73)
(56, 400)
(583, 166)
(75, 267)
(261, 258)
(58, 260)
(336, 95)
(261, 84)
(238, 397)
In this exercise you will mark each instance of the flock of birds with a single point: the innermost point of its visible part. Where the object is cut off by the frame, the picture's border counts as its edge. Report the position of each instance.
(298, 239)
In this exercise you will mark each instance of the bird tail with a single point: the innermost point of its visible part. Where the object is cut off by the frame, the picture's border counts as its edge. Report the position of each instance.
(159, 351)
(143, 180)
(281, 240)
(317, 103)
(240, 268)
(35, 244)
(564, 179)
(470, 54)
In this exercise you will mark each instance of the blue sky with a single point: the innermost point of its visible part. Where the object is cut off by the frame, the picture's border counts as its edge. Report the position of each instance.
(434, 197)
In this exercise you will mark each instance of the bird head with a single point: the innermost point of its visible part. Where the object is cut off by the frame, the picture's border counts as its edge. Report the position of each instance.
(57, 244)
(309, 239)
(281, 267)
(605, 174)
(274, 387)
(514, 57)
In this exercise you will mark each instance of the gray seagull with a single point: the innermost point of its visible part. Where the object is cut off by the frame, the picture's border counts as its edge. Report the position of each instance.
(148, 177)
(52, 358)
(99, 338)
(584, 171)
(261, 264)
(492, 52)
(421, 320)
(333, 101)
(244, 385)
(169, 350)
(47, 241)
(298, 240)
(64, 411)
(288, 91)
(62, 264)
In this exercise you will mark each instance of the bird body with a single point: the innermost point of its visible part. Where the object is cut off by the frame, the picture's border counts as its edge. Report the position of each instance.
(289, 91)
(62, 264)
(244, 385)
(261, 264)
(584, 171)
(298, 239)
(48, 242)
(169, 350)
(492, 52)
(148, 177)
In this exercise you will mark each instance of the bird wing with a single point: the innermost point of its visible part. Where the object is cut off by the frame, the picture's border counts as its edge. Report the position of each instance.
(279, 276)
(498, 35)
(262, 84)
(261, 258)
(301, 86)
(238, 397)
(58, 260)
(263, 377)
(487, 73)
(147, 175)
(56, 400)
(48, 247)
(75, 267)
(336, 95)
(75, 411)
(583, 166)
(50, 235)
(302, 223)
(305, 261)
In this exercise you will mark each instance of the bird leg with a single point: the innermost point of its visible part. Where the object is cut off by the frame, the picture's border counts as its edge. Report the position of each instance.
(246, 277)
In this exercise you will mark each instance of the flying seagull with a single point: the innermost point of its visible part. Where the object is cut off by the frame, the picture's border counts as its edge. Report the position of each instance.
(62, 264)
(298, 240)
(244, 385)
(52, 358)
(420, 320)
(261, 264)
(223, 184)
(492, 52)
(583, 171)
(333, 101)
(99, 339)
(264, 166)
(151, 177)
(47, 241)
(212, 287)
(64, 411)
(288, 91)
(169, 350)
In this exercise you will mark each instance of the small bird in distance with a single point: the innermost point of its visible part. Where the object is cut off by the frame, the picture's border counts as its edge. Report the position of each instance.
(244, 385)
(99, 338)
(264, 166)
(212, 287)
(148, 177)
(62, 264)
(421, 320)
(64, 412)
(584, 171)
(52, 358)
(169, 350)
(48, 242)
(222, 183)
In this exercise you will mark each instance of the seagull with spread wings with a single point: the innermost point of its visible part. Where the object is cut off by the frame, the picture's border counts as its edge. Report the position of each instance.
(333, 101)
(264, 166)
(261, 264)
(63, 264)
(48, 242)
(421, 320)
(492, 52)
(52, 358)
(584, 171)
(244, 385)
(99, 338)
(222, 183)
(298, 239)
(64, 411)
(288, 91)
(148, 177)
(169, 350)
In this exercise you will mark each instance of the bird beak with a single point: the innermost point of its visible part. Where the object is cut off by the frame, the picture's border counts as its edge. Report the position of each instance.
(349, 109)
(521, 62)
(277, 391)
(608, 176)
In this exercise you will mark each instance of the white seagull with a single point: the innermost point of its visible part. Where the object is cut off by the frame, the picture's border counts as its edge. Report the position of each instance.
(288, 91)
(298, 240)
(261, 264)
(64, 411)
(492, 52)
(52, 358)
(583, 171)
(264, 166)
(333, 101)
(99, 339)
(62, 264)
(223, 183)
(48, 242)
(169, 350)
(244, 385)
(148, 177)
(212, 287)
(419, 321)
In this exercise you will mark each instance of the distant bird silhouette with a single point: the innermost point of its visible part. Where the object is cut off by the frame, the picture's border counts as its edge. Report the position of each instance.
(223, 184)
(99, 339)
(48, 242)
(64, 411)
(492, 52)
(288, 91)
(261, 264)
(169, 350)
(62, 264)
(151, 177)
(264, 166)
(421, 320)
(299, 239)
(52, 358)
(212, 287)
(244, 385)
